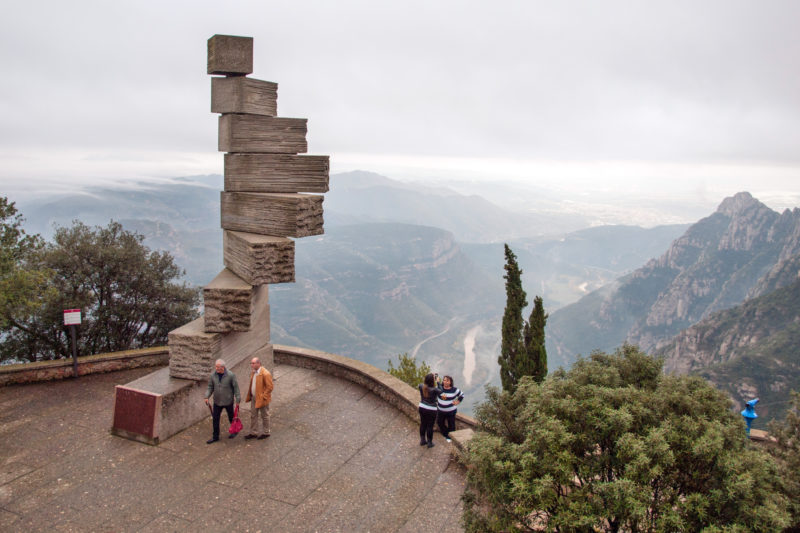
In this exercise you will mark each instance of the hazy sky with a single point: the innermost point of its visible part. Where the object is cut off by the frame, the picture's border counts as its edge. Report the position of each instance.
(693, 96)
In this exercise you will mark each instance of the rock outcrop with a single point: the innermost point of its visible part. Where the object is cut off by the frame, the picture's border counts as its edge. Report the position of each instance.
(749, 350)
(741, 250)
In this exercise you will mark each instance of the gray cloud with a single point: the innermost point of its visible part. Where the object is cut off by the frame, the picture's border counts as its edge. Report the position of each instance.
(621, 80)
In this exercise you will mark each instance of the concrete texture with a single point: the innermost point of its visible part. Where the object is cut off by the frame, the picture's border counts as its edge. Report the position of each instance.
(256, 133)
(462, 437)
(230, 55)
(87, 364)
(278, 214)
(276, 173)
(192, 351)
(228, 303)
(258, 259)
(180, 386)
(339, 459)
(244, 95)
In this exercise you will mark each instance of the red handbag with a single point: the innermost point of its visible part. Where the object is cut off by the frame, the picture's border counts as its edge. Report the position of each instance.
(236, 423)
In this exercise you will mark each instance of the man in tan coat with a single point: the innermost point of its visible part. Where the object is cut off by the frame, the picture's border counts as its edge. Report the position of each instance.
(259, 394)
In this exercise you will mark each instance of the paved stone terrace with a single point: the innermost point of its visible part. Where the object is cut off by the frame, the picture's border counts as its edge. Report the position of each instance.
(339, 459)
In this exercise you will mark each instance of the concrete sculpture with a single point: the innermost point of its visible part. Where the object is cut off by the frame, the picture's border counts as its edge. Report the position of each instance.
(265, 201)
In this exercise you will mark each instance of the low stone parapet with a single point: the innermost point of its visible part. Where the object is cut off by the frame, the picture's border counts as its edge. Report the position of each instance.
(87, 364)
(392, 390)
(461, 438)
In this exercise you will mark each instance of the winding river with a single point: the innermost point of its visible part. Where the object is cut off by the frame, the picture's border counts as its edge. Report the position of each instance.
(469, 354)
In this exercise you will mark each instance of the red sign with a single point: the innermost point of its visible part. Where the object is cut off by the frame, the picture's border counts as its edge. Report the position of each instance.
(72, 317)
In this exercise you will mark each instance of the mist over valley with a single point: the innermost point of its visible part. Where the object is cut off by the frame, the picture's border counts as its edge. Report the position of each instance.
(403, 267)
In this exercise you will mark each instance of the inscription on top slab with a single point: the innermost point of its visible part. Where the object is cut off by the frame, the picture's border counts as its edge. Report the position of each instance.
(230, 55)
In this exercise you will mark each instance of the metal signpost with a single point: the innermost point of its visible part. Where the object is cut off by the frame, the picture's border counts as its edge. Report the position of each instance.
(72, 318)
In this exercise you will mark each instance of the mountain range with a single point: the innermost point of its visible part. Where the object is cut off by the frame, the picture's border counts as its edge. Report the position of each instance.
(382, 280)
(417, 269)
(718, 302)
(366, 197)
(749, 351)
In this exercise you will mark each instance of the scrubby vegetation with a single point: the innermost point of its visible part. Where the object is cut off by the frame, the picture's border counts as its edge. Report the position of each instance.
(615, 445)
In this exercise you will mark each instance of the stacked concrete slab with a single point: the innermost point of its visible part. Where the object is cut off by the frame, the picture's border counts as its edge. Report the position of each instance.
(268, 198)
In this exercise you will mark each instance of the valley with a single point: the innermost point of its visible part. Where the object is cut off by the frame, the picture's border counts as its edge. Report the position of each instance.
(405, 268)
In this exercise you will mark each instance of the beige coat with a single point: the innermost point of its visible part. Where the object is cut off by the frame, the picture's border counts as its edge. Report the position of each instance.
(263, 387)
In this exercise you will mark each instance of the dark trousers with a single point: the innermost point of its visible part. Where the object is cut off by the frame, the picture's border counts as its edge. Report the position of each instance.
(216, 414)
(427, 417)
(447, 422)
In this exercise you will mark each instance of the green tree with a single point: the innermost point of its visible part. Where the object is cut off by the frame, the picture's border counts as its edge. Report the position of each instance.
(787, 452)
(534, 363)
(614, 445)
(22, 282)
(522, 349)
(128, 296)
(408, 371)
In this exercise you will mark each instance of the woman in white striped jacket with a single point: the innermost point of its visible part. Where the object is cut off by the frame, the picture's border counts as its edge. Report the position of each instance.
(449, 398)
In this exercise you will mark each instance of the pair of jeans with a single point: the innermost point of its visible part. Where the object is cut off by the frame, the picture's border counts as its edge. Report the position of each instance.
(216, 414)
(426, 419)
(447, 422)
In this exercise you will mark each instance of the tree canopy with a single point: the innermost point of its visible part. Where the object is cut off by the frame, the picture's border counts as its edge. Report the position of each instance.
(21, 278)
(128, 295)
(614, 445)
(787, 451)
(408, 371)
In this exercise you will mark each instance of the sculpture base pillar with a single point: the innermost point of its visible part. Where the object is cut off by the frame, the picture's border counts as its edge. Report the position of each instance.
(157, 406)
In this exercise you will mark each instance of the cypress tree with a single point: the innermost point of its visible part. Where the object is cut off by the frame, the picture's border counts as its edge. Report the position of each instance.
(536, 355)
(512, 348)
(522, 351)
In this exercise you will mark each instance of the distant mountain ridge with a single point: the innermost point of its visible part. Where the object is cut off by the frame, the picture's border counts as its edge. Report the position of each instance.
(563, 269)
(740, 251)
(365, 197)
(180, 216)
(383, 280)
(751, 350)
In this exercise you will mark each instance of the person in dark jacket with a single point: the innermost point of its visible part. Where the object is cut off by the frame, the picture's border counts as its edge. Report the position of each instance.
(428, 393)
(447, 402)
(223, 385)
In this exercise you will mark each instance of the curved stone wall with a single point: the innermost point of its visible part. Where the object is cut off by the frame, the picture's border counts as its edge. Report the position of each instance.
(394, 391)
(87, 364)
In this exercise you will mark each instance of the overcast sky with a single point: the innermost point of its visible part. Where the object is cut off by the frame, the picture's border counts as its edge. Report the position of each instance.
(652, 96)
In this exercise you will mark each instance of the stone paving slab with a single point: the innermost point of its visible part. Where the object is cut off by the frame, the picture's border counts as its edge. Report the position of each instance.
(339, 459)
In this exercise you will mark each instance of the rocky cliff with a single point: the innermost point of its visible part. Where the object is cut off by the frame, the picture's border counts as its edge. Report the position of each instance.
(750, 350)
(742, 250)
